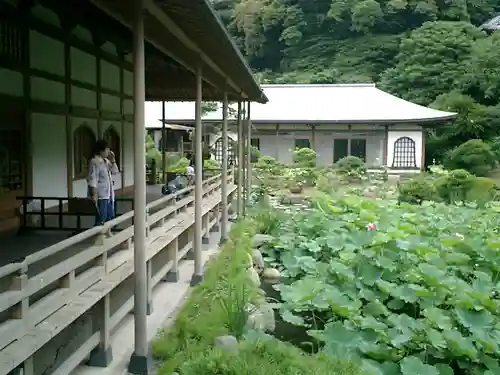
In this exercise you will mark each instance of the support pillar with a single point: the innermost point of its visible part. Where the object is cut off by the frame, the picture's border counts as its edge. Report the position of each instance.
(385, 160)
(224, 198)
(163, 145)
(349, 141)
(277, 149)
(241, 179)
(198, 188)
(249, 157)
(140, 362)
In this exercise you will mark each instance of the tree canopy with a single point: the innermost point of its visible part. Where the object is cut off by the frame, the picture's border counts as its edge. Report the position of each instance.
(431, 52)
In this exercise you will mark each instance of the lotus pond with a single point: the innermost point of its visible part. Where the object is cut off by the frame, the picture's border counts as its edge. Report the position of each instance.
(406, 289)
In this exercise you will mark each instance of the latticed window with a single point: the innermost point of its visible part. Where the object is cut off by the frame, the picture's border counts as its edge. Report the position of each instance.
(11, 160)
(404, 153)
(113, 139)
(231, 150)
(83, 142)
(12, 46)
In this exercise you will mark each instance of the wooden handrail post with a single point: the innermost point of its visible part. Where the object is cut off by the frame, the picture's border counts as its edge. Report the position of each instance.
(19, 282)
(149, 275)
(102, 355)
(206, 229)
(172, 276)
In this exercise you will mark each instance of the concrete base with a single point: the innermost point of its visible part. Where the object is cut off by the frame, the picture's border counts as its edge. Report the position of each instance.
(196, 279)
(222, 241)
(149, 308)
(171, 277)
(189, 255)
(205, 240)
(100, 357)
(140, 365)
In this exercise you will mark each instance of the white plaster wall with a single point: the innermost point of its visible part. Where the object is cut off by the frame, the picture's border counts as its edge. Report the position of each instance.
(281, 147)
(80, 186)
(48, 148)
(393, 136)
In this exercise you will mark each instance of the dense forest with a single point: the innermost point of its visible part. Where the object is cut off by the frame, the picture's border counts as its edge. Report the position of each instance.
(431, 52)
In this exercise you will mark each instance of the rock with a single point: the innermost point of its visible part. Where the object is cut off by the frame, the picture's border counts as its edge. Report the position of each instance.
(253, 276)
(261, 239)
(271, 275)
(250, 261)
(258, 261)
(227, 343)
(262, 318)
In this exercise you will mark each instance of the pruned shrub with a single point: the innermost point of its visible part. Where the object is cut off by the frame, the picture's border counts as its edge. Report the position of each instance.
(351, 167)
(417, 190)
(454, 186)
(475, 156)
(304, 157)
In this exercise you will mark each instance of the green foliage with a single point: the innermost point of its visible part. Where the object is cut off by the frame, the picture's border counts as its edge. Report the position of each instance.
(454, 186)
(351, 165)
(152, 153)
(474, 156)
(217, 307)
(211, 164)
(408, 289)
(180, 166)
(417, 190)
(430, 60)
(304, 157)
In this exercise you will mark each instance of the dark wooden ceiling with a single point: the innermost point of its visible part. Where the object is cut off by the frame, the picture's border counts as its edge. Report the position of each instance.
(170, 62)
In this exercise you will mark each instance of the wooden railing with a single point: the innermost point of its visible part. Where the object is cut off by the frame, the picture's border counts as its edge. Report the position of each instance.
(61, 304)
(58, 216)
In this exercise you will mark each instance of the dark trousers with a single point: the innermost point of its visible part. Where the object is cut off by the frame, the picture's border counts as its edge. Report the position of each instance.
(105, 211)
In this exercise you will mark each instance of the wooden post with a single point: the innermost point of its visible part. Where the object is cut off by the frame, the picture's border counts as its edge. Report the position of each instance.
(102, 355)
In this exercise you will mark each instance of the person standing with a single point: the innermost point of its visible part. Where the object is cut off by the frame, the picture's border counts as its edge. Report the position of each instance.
(102, 167)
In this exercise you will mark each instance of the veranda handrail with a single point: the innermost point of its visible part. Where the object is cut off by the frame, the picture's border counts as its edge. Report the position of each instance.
(10, 268)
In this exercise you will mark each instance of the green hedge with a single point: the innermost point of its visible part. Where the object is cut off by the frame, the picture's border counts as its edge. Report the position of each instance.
(214, 309)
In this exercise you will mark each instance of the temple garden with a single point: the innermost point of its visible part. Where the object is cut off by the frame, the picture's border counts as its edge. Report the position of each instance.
(344, 271)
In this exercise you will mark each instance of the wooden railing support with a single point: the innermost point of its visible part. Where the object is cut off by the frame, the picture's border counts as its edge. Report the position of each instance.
(172, 276)
(78, 275)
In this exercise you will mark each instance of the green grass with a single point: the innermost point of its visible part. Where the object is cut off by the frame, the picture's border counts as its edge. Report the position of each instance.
(217, 307)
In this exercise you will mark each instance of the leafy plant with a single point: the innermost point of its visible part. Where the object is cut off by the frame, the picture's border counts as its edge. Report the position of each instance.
(408, 289)
(351, 166)
(417, 190)
(304, 157)
(475, 156)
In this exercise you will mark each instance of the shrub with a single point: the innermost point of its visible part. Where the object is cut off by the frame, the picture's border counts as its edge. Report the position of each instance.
(482, 190)
(454, 186)
(304, 157)
(475, 156)
(218, 307)
(179, 167)
(351, 165)
(416, 190)
(211, 164)
(268, 164)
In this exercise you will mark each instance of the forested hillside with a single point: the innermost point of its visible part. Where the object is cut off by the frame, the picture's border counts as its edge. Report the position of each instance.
(431, 52)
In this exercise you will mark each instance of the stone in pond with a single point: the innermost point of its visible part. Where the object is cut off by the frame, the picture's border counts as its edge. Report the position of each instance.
(271, 275)
(227, 343)
(262, 318)
(261, 239)
(258, 261)
(253, 276)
